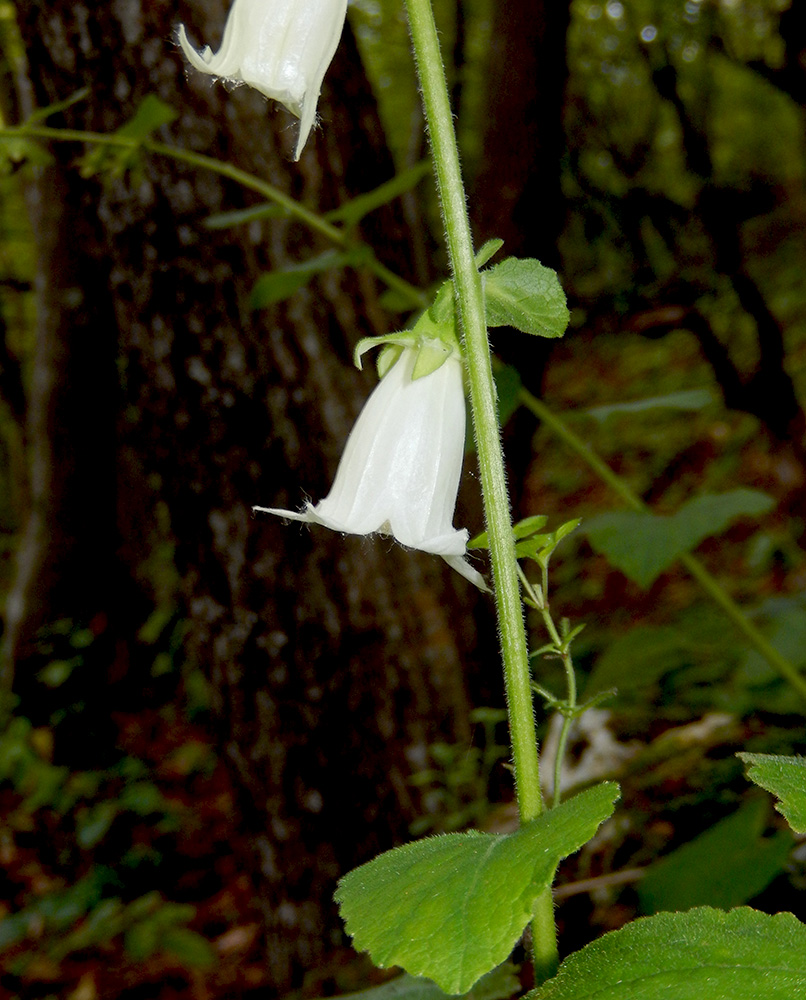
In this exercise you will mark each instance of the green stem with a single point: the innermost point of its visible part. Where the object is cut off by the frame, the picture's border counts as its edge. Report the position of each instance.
(709, 583)
(470, 301)
(315, 222)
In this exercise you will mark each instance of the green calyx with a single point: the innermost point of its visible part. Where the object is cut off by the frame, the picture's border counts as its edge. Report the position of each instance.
(433, 337)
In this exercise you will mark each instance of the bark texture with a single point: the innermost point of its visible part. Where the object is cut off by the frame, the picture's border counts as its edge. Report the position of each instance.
(171, 408)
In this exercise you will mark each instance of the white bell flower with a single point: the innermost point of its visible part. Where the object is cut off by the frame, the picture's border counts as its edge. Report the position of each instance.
(400, 470)
(280, 47)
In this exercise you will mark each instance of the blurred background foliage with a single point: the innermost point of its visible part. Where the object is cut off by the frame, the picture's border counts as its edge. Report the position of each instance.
(681, 236)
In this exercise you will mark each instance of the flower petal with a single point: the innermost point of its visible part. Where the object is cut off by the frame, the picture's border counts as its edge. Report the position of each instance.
(400, 469)
(282, 48)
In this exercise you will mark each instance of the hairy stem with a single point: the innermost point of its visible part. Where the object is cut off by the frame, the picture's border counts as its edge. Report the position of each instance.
(470, 300)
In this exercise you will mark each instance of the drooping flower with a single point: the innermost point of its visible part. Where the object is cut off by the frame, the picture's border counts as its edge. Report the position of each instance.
(280, 47)
(400, 470)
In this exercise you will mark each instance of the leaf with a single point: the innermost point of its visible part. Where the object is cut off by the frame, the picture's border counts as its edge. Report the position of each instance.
(452, 907)
(785, 777)
(151, 114)
(541, 547)
(16, 148)
(529, 525)
(785, 620)
(352, 212)
(499, 984)
(92, 827)
(526, 295)
(687, 400)
(242, 216)
(488, 251)
(638, 659)
(277, 285)
(725, 866)
(192, 950)
(643, 545)
(42, 114)
(704, 954)
(115, 161)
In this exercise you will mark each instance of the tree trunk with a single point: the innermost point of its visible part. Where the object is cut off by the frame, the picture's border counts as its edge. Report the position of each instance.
(334, 661)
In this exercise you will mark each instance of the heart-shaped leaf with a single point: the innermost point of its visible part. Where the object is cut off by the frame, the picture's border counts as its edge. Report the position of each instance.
(642, 545)
(452, 907)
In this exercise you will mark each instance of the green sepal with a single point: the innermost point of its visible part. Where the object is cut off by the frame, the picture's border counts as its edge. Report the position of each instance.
(404, 339)
(433, 336)
(488, 251)
(431, 355)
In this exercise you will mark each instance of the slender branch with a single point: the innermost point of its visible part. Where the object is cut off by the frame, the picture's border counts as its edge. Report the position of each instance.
(470, 300)
(413, 295)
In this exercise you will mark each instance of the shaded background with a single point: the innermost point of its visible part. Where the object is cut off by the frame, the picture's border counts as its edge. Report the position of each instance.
(226, 713)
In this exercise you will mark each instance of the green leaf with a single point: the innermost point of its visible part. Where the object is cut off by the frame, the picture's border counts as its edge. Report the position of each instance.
(151, 114)
(725, 866)
(499, 984)
(277, 285)
(541, 547)
(452, 907)
(42, 114)
(523, 529)
(638, 659)
(526, 295)
(529, 526)
(785, 622)
(93, 826)
(242, 216)
(785, 777)
(704, 954)
(643, 545)
(352, 212)
(17, 148)
(488, 251)
(689, 400)
(192, 950)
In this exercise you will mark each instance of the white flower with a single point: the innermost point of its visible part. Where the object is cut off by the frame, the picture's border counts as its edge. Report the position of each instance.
(280, 47)
(399, 473)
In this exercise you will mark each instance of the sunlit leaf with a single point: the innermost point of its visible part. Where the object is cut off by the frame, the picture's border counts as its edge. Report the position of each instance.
(452, 907)
(704, 954)
(526, 295)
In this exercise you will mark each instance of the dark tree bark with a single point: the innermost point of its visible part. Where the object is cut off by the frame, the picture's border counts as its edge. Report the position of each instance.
(517, 195)
(171, 408)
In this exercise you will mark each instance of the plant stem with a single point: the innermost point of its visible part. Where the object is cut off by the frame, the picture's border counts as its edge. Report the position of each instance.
(706, 580)
(470, 302)
(538, 599)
